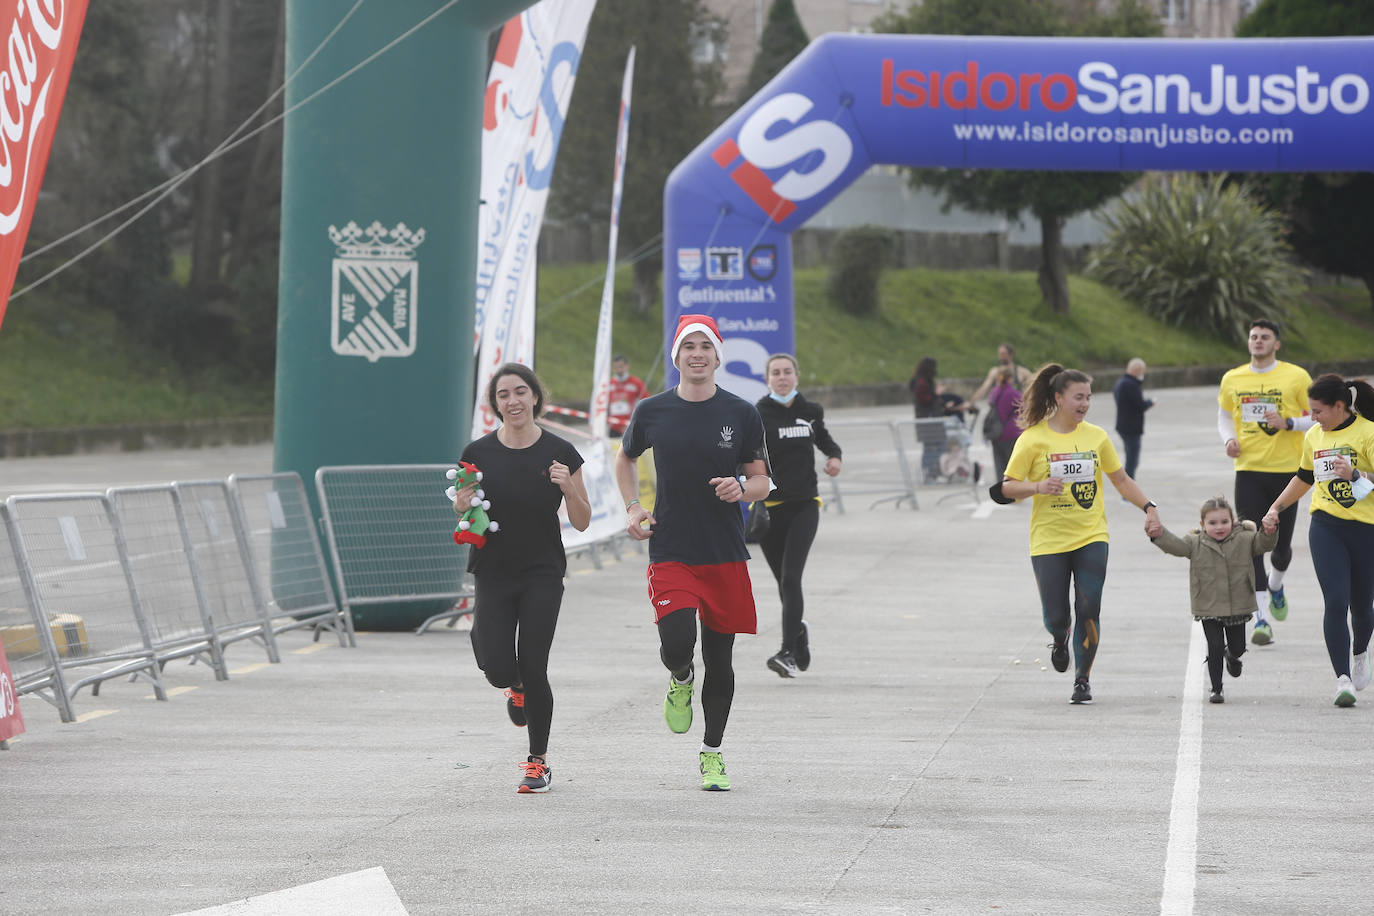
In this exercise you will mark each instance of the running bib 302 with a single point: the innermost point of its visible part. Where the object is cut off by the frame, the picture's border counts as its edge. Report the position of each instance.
(1324, 461)
(1074, 466)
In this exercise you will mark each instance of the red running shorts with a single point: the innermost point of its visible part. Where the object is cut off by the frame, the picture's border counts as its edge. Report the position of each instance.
(721, 593)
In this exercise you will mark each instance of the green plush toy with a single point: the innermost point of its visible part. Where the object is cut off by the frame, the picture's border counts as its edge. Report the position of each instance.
(474, 524)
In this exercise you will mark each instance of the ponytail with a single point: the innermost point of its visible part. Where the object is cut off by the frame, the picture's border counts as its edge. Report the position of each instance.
(1038, 402)
(1356, 394)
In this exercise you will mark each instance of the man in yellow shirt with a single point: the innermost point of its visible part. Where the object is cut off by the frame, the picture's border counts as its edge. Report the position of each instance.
(1261, 417)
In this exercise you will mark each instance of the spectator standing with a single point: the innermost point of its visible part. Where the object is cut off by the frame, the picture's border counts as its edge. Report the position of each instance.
(1131, 405)
(1006, 358)
(1004, 400)
(929, 408)
(626, 391)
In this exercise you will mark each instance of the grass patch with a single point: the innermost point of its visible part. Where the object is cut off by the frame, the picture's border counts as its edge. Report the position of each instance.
(64, 366)
(957, 316)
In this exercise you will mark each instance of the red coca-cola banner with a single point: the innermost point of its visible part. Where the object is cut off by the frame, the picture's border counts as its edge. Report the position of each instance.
(11, 722)
(40, 44)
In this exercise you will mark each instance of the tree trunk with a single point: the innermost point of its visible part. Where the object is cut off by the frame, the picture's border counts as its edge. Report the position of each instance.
(647, 273)
(206, 235)
(262, 176)
(1054, 276)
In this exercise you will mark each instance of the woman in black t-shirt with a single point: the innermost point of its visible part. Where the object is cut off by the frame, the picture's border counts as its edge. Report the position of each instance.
(527, 473)
(794, 427)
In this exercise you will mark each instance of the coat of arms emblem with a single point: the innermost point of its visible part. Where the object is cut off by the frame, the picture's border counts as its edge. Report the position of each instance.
(375, 290)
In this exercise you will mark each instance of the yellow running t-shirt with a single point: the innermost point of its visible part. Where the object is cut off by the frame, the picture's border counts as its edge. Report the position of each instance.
(1247, 394)
(1331, 494)
(1067, 520)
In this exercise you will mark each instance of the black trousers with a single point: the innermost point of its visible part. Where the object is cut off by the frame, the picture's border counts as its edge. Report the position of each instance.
(512, 633)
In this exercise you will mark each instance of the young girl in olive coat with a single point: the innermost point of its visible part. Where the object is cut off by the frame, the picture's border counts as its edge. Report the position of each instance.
(1221, 574)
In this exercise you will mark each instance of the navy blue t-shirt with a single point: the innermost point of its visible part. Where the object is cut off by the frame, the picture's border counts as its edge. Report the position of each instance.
(524, 503)
(694, 441)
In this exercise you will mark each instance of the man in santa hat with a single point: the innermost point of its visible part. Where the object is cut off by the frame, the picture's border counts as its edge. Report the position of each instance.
(709, 455)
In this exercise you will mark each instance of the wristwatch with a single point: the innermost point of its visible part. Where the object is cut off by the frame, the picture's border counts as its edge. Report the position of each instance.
(1149, 504)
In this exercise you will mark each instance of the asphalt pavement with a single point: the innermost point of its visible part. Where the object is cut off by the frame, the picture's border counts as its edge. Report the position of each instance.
(928, 762)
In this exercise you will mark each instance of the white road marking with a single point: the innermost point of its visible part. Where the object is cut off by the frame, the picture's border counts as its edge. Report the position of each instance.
(1180, 864)
(362, 893)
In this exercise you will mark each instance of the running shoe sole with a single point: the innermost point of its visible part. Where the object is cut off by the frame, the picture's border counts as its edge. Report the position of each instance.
(1345, 699)
(1262, 636)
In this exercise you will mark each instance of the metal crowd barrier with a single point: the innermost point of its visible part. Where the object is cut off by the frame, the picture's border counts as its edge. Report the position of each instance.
(284, 555)
(237, 604)
(875, 464)
(389, 532)
(166, 575)
(95, 586)
(72, 558)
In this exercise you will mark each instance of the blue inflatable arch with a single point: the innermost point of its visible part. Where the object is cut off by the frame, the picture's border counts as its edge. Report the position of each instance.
(851, 101)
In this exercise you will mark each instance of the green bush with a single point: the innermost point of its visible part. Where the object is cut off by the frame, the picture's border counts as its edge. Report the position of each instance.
(856, 266)
(1195, 252)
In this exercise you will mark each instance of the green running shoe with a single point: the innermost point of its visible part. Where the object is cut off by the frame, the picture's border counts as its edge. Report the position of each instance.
(677, 705)
(713, 778)
(1278, 604)
(1263, 634)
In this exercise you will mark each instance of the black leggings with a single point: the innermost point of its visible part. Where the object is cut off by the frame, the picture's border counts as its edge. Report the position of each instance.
(1341, 552)
(1087, 566)
(791, 531)
(1221, 640)
(512, 633)
(1255, 493)
(677, 634)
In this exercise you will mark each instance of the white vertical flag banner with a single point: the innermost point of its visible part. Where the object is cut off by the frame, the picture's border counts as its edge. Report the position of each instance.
(527, 97)
(601, 362)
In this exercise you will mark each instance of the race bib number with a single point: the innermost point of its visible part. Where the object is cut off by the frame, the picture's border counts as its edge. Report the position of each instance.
(1074, 466)
(1324, 461)
(1254, 407)
(620, 408)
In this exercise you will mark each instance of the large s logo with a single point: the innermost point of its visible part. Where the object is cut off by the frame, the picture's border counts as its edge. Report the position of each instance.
(821, 151)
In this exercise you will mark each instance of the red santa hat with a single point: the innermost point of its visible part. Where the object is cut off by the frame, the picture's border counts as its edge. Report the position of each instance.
(703, 323)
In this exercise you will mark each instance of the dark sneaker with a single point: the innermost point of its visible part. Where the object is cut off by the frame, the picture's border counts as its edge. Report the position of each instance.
(784, 664)
(1059, 656)
(1233, 665)
(1082, 693)
(677, 706)
(515, 706)
(1216, 697)
(803, 653)
(537, 776)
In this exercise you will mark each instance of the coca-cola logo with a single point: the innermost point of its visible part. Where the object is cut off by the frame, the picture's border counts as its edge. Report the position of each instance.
(31, 51)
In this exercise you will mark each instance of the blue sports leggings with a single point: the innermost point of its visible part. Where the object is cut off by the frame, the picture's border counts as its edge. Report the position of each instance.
(1343, 554)
(1087, 567)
